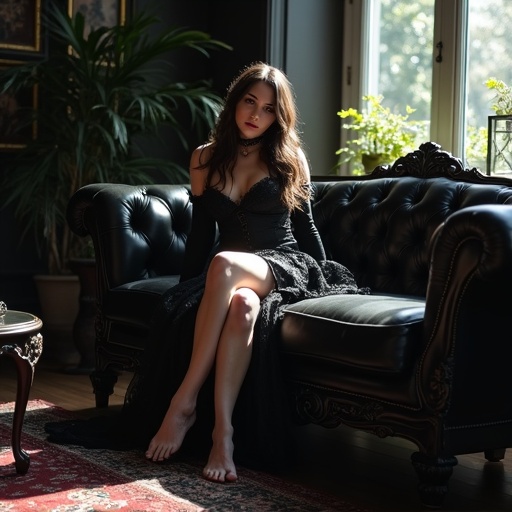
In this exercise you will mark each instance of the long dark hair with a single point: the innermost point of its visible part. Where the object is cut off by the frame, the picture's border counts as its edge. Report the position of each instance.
(280, 145)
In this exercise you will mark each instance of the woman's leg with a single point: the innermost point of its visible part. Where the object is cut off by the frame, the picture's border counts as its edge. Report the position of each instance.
(232, 361)
(228, 272)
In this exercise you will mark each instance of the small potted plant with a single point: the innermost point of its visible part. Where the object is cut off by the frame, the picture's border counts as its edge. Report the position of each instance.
(502, 103)
(381, 136)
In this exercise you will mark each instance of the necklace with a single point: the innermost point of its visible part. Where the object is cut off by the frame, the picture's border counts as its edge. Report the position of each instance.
(245, 143)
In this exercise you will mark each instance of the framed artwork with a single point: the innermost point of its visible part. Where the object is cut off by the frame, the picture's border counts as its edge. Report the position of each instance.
(13, 137)
(20, 26)
(99, 13)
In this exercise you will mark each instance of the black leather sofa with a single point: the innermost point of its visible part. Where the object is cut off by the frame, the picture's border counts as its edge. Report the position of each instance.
(425, 357)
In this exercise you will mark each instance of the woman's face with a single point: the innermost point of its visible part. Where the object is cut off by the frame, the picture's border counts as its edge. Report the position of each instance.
(255, 112)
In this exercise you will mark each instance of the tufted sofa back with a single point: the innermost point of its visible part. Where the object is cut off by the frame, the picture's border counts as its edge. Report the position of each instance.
(381, 228)
(141, 229)
(379, 225)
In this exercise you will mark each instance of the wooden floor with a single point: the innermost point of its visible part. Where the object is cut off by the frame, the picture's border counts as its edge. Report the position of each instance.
(353, 465)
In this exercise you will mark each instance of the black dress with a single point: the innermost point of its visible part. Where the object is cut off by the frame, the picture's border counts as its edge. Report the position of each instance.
(290, 244)
(258, 223)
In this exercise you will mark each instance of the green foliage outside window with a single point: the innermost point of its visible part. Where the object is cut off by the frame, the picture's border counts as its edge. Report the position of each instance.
(476, 147)
(405, 62)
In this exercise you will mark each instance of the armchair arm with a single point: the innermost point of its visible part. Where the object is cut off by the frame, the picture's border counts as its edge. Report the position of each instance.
(137, 231)
(464, 369)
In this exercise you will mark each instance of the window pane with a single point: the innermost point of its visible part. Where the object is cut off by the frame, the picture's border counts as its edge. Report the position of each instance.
(401, 52)
(489, 49)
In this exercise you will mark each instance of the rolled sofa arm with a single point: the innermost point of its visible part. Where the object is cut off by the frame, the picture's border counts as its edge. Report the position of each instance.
(467, 354)
(137, 231)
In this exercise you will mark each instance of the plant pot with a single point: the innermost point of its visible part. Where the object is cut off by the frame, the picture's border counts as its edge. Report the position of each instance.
(58, 298)
(370, 162)
(84, 334)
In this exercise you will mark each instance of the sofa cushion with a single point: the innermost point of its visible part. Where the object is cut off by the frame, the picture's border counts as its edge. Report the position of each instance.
(134, 303)
(129, 308)
(377, 334)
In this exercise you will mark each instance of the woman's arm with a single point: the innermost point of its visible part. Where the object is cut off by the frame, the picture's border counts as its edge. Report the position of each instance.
(202, 235)
(305, 230)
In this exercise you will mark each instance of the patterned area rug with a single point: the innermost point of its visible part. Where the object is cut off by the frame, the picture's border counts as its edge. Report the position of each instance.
(74, 479)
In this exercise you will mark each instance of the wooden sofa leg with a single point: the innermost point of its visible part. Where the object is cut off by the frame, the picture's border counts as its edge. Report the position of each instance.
(495, 455)
(103, 386)
(433, 475)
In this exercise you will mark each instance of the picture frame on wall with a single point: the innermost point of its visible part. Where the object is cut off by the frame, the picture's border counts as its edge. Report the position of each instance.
(20, 27)
(15, 109)
(99, 13)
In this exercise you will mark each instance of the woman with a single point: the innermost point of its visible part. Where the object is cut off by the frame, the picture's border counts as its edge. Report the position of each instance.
(252, 181)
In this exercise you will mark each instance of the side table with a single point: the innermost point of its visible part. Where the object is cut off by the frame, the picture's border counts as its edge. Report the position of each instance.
(21, 340)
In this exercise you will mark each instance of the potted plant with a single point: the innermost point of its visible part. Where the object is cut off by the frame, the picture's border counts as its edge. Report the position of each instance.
(380, 136)
(96, 94)
(502, 101)
(98, 91)
(499, 134)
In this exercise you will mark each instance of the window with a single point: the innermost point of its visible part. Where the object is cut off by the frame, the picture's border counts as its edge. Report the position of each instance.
(434, 55)
(488, 48)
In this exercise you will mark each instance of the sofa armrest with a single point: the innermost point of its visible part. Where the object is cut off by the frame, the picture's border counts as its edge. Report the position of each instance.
(137, 231)
(467, 354)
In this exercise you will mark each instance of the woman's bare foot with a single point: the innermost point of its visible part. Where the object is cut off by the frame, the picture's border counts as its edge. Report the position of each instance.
(170, 435)
(220, 466)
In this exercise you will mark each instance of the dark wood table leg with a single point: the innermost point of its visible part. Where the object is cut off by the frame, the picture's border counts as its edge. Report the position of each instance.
(25, 375)
(25, 358)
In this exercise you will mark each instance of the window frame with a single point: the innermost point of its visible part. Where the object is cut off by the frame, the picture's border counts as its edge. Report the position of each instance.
(448, 75)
